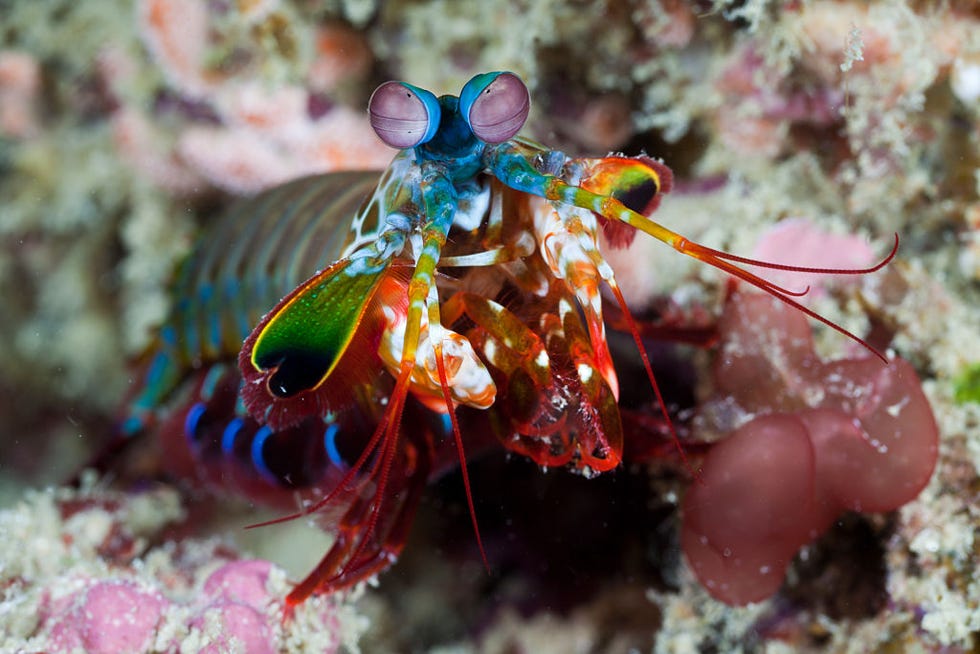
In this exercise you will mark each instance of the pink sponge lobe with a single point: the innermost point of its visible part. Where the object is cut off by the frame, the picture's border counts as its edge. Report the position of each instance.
(853, 434)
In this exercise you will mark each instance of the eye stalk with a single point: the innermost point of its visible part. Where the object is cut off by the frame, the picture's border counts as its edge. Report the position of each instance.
(495, 106)
(402, 115)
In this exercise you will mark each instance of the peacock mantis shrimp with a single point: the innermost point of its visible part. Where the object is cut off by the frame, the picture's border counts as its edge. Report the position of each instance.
(461, 306)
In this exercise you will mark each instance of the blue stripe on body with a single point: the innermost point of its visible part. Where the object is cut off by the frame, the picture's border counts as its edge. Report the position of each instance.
(193, 421)
(330, 445)
(229, 435)
(258, 458)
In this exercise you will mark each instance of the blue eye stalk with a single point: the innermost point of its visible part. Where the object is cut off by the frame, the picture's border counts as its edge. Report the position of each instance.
(493, 106)
(404, 116)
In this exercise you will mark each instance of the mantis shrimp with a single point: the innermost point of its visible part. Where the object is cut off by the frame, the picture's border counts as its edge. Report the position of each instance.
(461, 306)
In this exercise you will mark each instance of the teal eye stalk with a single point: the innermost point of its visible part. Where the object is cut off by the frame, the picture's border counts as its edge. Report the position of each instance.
(495, 106)
(402, 115)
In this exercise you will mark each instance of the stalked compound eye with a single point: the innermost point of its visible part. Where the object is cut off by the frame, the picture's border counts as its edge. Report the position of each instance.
(402, 115)
(495, 106)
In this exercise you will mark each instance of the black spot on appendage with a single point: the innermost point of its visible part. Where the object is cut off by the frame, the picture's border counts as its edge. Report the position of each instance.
(639, 197)
(296, 371)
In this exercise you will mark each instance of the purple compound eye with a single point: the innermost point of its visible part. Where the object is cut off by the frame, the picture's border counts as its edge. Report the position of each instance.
(495, 106)
(402, 115)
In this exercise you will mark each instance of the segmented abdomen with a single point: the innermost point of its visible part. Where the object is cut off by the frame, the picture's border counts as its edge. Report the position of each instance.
(253, 255)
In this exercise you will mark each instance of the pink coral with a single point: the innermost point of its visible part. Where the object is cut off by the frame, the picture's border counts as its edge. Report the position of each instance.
(853, 434)
(233, 611)
(111, 616)
(799, 242)
(106, 618)
(762, 103)
(241, 581)
(239, 600)
(268, 138)
(90, 583)
(668, 24)
(342, 54)
(235, 128)
(20, 84)
(236, 627)
(175, 31)
(120, 616)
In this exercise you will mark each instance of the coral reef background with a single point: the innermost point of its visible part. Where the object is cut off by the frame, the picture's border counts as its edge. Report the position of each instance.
(126, 125)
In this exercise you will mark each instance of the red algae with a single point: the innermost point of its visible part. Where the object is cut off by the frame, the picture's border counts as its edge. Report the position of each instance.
(742, 523)
(827, 437)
